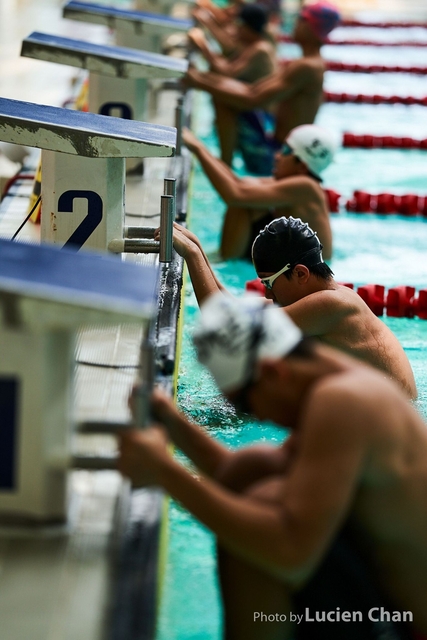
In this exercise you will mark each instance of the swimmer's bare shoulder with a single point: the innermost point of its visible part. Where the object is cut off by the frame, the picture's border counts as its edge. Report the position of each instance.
(263, 55)
(303, 186)
(306, 69)
(318, 313)
(267, 47)
(359, 399)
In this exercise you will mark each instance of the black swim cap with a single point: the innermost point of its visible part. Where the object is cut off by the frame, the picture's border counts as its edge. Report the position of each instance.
(254, 16)
(283, 241)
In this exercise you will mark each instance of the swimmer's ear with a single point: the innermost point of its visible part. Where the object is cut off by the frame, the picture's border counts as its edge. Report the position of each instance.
(302, 273)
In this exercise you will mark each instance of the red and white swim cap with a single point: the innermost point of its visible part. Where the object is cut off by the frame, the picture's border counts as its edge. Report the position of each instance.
(322, 17)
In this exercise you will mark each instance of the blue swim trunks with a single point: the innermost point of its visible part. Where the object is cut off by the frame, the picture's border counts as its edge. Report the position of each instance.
(344, 583)
(255, 141)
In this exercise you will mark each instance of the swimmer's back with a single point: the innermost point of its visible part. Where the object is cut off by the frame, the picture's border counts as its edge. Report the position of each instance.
(389, 516)
(300, 107)
(262, 63)
(340, 318)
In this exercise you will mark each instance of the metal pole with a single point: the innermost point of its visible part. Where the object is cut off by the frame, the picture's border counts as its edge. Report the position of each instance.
(133, 245)
(143, 391)
(179, 121)
(139, 232)
(169, 189)
(166, 228)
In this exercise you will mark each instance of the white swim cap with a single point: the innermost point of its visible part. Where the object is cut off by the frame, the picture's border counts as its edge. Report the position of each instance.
(235, 333)
(313, 145)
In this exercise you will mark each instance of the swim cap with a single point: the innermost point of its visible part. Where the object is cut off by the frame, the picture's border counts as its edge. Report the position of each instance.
(283, 241)
(322, 17)
(254, 16)
(312, 145)
(233, 334)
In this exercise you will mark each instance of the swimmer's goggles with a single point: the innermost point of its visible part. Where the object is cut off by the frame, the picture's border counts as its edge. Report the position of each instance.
(268, 282)
(318, 259)
(286, 150)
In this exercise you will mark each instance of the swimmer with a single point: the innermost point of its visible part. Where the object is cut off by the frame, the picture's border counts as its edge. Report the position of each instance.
(296, 88)
(217, 19)
(294, 189)
(331, 521)
(287, 256)
(251, 58)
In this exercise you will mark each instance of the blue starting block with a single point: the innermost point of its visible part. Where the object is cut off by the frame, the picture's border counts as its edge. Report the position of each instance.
(136, 29)
(118, 77)
(45, 295)
(83, 167)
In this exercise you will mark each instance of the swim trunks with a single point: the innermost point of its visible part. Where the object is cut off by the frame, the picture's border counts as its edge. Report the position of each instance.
(344, 583)
(256, 227)
(255, 141)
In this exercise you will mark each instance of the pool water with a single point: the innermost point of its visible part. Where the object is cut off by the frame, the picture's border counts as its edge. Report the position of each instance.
(368, 249)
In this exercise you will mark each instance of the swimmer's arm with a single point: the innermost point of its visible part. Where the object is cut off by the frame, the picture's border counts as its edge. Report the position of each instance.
(253, 192)
(283, 527)
(250, 192)
(219, 174)
(203, 277)
(247, 60)
(205, 452)
(279, 85)
(224, 38)
(221, 34)
(319, 313)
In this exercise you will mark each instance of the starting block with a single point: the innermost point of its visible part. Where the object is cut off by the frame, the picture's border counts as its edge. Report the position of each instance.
(45, 295)
(118, 76)
(136, 29)
(83, 167)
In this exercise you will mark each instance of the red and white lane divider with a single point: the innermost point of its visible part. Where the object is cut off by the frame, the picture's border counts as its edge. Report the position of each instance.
(387, 203)
(362, 43)
(382, 25)
(369, 141)
(364, 202)
(373, 68)
(362, 98)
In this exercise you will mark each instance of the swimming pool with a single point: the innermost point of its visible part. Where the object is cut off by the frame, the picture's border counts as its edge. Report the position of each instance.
(368, 249)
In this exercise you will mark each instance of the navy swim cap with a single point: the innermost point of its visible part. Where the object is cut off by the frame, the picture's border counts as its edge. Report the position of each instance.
(286, 240)
(254, 16)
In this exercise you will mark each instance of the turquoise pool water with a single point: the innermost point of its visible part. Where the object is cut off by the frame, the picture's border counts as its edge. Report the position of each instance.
(368, 249)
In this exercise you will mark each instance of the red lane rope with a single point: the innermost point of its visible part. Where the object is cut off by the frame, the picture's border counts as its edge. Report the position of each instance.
(387, 203)
(364, 43)
(397, 302)
(381, 25)
(368, 141)
(361, 98)
(373, 68)
(364, 202)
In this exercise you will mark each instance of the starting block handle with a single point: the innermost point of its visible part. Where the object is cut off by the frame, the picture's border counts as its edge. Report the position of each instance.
(169, 189)
(142, 393)
(179, 122)
(167, 206)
